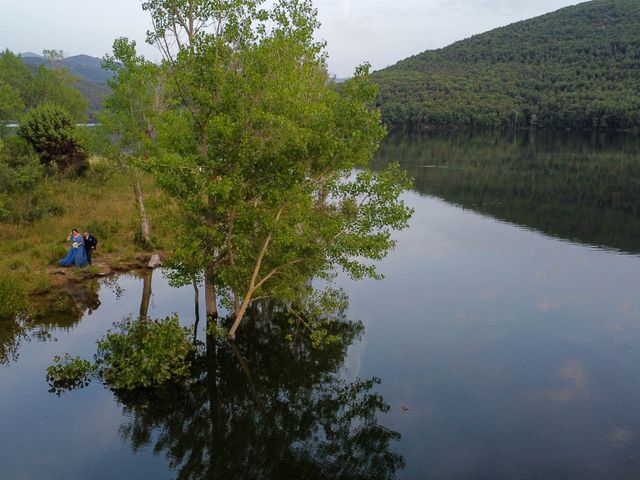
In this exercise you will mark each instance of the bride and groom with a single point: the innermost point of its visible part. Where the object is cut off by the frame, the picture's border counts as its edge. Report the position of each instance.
(82, 246)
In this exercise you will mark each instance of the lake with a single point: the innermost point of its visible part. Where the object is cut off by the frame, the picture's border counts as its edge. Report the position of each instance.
(503, 343)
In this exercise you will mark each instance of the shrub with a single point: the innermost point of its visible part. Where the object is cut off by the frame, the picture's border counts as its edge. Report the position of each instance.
(14, 301)
(144, 353)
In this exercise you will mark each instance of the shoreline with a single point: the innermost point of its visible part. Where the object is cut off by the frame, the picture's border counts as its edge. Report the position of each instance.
(104, 265)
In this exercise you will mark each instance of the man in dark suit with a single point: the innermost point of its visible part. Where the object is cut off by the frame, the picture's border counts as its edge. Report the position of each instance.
(90, 243)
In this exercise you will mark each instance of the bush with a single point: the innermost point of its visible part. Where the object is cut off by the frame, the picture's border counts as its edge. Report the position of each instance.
(136, 354)
(144, 353)
(14, 301)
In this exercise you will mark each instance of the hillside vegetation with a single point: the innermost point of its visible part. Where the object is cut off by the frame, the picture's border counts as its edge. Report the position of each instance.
(90, 78)
(578, 67)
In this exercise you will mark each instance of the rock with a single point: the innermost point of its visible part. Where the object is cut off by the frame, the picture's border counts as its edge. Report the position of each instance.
(154, 262)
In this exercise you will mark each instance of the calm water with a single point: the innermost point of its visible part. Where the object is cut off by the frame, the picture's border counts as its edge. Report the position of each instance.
(504, 343)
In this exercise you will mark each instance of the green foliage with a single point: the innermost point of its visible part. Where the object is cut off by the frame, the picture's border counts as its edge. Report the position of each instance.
(14, 301)
(22, 89)
(144, 353)
(136, 99)
(14, 81)
(68, 373)
(258, 147)
(51, 133)
(11, 105)
(24, 197)
(56, 87)
(20, 169)
(136, 354)
(578, 67)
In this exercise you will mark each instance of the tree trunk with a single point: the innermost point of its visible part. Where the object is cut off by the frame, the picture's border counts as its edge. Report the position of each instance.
(209, 271)
(240, 315)
(236, 302)
(146, 294)
(196, 300)
(145, 228)
(210, 294)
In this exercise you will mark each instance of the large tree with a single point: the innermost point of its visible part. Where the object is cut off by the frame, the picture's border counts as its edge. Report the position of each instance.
(261, 153)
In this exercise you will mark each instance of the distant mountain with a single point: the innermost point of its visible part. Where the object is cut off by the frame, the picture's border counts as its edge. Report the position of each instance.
(578, 67)
(92, 78)
(83, 66)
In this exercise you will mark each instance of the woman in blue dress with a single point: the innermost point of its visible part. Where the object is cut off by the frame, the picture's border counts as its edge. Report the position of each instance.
(76, 256)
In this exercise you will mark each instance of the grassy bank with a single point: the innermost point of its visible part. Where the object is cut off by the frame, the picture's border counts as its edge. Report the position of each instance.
(101, 201)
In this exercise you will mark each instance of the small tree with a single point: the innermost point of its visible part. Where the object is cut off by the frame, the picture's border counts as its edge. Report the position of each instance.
(54, 137)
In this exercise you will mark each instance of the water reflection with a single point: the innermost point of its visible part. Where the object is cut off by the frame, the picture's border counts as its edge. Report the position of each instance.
(12, 334)
(60, 308)
(579, 186)
(267, 408)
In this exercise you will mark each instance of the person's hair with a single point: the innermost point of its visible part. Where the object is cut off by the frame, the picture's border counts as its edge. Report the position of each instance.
(74, 230)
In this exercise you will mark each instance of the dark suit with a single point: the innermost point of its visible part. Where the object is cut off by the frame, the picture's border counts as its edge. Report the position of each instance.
(90, 243)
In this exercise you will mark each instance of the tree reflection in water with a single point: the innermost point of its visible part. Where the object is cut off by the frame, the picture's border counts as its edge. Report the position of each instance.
(60, 308)
(267, 408)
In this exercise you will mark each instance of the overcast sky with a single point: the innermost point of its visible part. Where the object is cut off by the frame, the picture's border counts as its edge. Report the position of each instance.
(378, 31)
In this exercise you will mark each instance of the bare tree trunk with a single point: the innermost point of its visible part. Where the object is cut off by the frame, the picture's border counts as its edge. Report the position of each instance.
(209, 271)
(236, 302)
(254, 284)
(196, 300)
(252, 288)
(145, 228)
(240, 315)
(210, 294)
(146, 294)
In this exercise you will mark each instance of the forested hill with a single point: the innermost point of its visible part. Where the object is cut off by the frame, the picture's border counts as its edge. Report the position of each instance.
(91, 78)
(578, 67)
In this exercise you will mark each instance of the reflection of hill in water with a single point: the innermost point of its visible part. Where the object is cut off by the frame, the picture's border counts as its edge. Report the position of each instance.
(582, 187)
(265, 407)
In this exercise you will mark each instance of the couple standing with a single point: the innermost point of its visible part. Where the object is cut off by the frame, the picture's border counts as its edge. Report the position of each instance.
(81, 248)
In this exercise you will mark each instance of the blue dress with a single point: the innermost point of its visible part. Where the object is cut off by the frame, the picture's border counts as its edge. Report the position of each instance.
(76, 256)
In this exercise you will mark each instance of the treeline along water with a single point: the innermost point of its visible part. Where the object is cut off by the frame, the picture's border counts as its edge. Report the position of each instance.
(582, 186)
